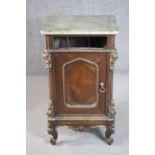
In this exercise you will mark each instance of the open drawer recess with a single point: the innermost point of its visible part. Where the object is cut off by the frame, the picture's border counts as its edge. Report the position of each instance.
(80, 42)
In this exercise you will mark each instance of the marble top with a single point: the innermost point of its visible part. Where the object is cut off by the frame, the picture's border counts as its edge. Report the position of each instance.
(80, 25)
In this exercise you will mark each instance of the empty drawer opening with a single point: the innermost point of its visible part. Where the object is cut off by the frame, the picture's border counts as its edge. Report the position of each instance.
(88, 42)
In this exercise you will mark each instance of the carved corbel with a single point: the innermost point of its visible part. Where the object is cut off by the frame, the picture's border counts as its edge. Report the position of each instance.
(51, 109)
(113, 58)
(47, 56)
(111, 112)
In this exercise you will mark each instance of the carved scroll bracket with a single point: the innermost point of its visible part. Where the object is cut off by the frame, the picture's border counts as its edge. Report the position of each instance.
(47, 56)
(51, 109)
(112, 111)
(113, 58)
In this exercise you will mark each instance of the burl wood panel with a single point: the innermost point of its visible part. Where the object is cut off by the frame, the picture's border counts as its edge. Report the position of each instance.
(81, 83)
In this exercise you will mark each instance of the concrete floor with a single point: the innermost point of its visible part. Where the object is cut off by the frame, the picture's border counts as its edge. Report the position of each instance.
(72, 142)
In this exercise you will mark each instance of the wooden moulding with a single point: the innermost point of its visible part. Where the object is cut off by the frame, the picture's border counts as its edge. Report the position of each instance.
(81, 122)
(80, 50)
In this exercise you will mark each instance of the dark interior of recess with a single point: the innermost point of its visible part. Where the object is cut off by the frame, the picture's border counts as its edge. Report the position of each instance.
(80, 41)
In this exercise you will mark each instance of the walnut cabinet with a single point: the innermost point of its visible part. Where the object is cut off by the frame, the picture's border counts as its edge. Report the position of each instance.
(79, 55)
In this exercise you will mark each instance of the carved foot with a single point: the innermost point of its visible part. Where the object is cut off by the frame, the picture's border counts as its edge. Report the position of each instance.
(110, 130)
(53, 132)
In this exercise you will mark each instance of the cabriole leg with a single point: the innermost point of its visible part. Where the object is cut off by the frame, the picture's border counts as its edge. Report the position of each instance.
(110, 130)
(53, 132)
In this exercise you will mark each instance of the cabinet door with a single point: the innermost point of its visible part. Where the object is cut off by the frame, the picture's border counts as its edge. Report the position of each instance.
(78, 78)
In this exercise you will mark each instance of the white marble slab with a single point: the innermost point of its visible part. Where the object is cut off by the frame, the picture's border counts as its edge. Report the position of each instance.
(80, 25)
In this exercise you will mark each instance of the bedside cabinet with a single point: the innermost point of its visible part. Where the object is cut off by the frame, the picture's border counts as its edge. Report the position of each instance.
(79, 56)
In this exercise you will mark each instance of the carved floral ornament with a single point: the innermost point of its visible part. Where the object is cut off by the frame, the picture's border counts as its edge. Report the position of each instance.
(113, 58)
(51, 109)
(79, 128)
(48, 59)
(112, 111)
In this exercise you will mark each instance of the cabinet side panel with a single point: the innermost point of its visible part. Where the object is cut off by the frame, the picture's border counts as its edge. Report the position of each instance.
(49, 42)
(109, 77)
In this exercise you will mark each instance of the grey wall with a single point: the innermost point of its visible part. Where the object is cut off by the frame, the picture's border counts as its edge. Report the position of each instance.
(37, 10)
